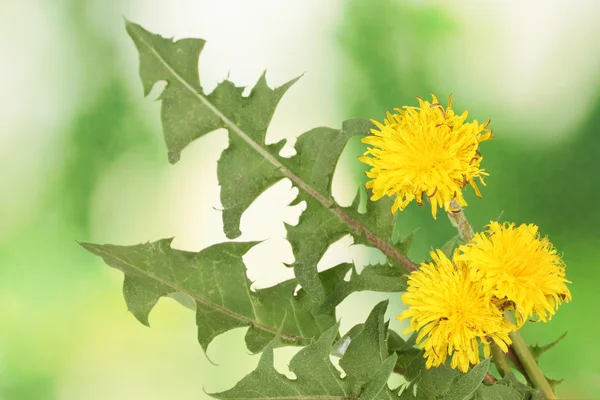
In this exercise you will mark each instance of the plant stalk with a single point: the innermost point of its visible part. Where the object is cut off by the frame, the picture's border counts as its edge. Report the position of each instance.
(460, 222)
(532, 369)
(500, 362)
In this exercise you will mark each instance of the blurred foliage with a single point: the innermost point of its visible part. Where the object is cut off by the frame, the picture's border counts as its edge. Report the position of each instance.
(101, 130)
(388, 45)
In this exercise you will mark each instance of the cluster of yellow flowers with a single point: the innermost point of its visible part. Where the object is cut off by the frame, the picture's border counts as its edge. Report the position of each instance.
(454, 303)
(458, 304)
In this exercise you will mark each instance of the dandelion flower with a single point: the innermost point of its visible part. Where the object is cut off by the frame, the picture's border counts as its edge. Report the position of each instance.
(425, 151)
(453, 313)
(520, 266)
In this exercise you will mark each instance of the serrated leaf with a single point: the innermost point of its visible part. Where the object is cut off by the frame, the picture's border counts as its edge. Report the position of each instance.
(322, 223)
(215, 278)
(377, 387)
(464, 385)
(404, 349)
(430, 383)
(498, 392)
(405, 358)
(537, 351)
(397, 343)
(316, 377)
(368, 349)
(249, 166)
(527, 392)
(341, 345)
(379, 278)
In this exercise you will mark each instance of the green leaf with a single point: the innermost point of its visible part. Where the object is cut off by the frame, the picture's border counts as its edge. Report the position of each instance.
(464, 385)
(377, 387)
(448, 247)
(341, 345)
(430, 383)
(405, 243)
(249, 166)
(537, 351)
(215, 278)
(554, 382)
(408, 392)
(404, 349)
(397, 343)
(380, 278)
(368, 349)
(316, 377)
(406, 357)
(498, 392)
(322, 223)
(527, 392)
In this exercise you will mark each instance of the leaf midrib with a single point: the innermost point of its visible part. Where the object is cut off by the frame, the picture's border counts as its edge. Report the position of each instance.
(224, 310)
(376, 241)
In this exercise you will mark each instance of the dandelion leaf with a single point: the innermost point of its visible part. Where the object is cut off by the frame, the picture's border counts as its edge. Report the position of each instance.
(215, 278)
(498, 392)
(249, 165)
(316, 377)
(537, 351)
(368, 349)
(464, 385)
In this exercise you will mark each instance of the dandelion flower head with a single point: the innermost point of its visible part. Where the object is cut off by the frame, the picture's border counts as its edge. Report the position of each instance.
(453, 313)
(520, 266)
(425, 151)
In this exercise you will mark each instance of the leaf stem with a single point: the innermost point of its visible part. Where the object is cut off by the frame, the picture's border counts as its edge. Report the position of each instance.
(532, 370)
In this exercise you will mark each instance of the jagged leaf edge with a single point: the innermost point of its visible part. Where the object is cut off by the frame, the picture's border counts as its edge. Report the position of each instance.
(315, 290)
(142, 313)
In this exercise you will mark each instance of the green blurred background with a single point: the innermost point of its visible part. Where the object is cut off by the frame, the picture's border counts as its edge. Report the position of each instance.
(81, 158)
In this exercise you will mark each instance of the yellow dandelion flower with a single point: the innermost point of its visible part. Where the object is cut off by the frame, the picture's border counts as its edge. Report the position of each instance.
(425, 151)
(518, 265)
(453, 313)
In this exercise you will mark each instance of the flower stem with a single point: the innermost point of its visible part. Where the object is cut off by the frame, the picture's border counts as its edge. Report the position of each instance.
(460, 221)
(533, 372)
(500, 361)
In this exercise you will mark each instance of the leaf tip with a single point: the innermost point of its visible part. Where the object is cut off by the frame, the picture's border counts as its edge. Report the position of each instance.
(91, 247)
(131, 27)
(142, 319)
(174, 156)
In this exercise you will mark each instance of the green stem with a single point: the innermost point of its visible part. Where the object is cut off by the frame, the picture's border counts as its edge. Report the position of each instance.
(532, 369)
(500, 361)
(512, 356)
(460, 221)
